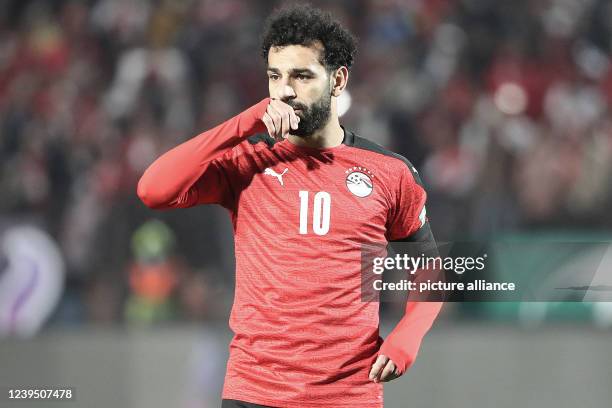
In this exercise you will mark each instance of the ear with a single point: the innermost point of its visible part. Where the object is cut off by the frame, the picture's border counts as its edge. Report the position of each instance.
(338, 80)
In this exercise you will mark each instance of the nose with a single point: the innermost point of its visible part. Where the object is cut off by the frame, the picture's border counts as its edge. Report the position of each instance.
(287, 92)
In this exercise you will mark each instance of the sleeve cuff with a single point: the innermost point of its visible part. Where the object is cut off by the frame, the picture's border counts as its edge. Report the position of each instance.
(403, 361)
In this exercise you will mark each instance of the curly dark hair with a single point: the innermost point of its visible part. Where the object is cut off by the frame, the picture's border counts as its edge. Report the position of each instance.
(302, 24)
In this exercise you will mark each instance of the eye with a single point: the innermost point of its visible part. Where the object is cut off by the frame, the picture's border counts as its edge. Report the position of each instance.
(302, 77)
(273, 77)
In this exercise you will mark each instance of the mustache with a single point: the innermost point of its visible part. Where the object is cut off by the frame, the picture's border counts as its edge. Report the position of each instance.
(297, 106)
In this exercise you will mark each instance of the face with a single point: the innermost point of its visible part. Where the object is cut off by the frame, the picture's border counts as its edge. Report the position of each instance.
(296, 77)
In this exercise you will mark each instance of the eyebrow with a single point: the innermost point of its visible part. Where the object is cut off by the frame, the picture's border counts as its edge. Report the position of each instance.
(293, 71)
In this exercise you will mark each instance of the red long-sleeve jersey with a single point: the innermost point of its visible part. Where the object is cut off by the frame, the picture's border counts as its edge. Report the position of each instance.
(303, 336)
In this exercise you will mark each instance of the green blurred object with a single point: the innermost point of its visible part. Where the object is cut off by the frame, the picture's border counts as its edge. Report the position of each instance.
(142, 311)
(153, 240)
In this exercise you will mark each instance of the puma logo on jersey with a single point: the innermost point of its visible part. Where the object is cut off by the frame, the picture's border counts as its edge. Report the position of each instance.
(271, 172)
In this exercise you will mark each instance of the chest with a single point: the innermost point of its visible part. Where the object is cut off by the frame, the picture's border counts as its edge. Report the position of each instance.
(322, 198)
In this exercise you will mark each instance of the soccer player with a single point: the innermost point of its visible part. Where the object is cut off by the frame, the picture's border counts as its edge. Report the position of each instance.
(303, 193)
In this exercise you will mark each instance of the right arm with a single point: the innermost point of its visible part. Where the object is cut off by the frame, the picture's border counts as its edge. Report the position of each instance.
(188, 175)
(171, 181)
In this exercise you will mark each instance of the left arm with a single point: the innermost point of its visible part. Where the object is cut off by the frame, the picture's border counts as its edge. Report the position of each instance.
(401, 347)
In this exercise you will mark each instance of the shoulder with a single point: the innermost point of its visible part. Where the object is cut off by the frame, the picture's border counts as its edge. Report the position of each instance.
(398, 162)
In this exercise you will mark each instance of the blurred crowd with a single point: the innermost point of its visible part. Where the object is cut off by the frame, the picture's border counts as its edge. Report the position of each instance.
(503, 106)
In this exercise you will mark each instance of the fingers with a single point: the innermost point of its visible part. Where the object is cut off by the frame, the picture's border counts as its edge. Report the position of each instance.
(383, 370)
(377, 367)
(388, 372)
(294, 119)
(267, 120)
(287, 113)
(284, 117)
(279, 119)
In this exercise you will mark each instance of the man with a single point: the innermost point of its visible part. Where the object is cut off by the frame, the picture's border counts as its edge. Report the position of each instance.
(303, 198)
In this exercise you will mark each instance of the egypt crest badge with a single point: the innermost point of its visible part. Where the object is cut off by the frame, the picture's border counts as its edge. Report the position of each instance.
(359, 181)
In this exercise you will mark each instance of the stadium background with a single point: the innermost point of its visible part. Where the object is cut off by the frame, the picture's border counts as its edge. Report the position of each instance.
(503, 106)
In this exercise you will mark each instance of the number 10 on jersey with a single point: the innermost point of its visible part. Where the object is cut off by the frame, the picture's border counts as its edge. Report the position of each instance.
(320, 213)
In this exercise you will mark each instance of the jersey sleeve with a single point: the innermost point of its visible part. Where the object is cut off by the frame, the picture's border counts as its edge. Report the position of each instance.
(408, 222)
(196, 171)
(215, 186)
(407, 214)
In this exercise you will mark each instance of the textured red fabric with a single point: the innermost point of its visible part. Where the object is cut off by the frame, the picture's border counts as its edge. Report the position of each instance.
(303, 335)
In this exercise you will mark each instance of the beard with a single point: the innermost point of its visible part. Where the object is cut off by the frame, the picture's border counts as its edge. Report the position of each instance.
(313, 117)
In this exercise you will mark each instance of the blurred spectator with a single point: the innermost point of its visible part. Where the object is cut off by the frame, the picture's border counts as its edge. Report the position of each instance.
(153, 275)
